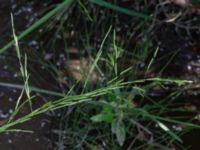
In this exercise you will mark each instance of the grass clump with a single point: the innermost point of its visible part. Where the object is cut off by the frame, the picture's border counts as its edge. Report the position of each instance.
(116, 110)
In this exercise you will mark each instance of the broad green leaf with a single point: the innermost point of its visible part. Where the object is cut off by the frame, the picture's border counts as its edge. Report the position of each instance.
(119, 130)
(121, 134)
(103, 117)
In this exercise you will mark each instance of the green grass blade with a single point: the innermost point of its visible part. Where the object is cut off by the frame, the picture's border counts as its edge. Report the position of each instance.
(37, 24)
(97, 58)
(120, 9)
(32, 89)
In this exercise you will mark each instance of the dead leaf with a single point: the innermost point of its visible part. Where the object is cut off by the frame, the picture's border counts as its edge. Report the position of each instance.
(79, 69)
(181, 3)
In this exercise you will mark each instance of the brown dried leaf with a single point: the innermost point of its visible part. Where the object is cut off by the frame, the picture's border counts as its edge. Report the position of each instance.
(182, 3)
(79, 69)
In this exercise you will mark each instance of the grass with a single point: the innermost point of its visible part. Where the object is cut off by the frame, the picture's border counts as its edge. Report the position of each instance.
(115, 111)
(37, 24)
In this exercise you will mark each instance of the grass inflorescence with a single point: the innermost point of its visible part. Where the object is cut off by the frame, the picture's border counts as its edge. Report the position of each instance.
(108, 103)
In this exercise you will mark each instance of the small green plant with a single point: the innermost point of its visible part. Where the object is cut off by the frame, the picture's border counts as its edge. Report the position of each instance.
(113, 112)
(23, 69)
(116, 109)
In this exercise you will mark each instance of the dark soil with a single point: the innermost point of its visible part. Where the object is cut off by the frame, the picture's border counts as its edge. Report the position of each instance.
(23, 15)
(181, 43)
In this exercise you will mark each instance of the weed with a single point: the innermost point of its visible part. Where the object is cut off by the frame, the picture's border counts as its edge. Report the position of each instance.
(115, 111)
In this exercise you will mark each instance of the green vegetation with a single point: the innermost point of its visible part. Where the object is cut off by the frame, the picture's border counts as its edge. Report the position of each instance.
(113, 109)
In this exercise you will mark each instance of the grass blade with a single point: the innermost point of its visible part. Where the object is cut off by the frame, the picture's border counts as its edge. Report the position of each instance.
(37, 24)
(120, 9)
